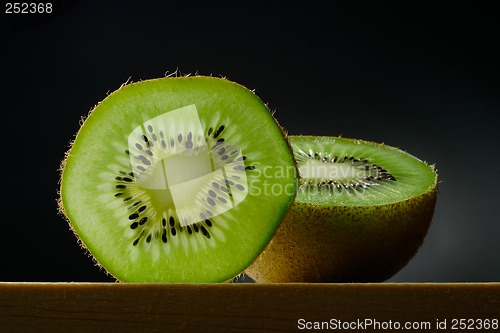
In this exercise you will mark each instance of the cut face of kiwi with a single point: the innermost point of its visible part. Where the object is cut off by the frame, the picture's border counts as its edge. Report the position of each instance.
(362, 211)
(167, 180)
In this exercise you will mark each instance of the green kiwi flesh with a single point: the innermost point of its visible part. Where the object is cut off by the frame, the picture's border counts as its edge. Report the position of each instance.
(165, 180)
(362, 211)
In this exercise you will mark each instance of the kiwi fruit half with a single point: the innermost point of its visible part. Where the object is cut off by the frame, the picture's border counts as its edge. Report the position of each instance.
(178, 179)
(362, 211)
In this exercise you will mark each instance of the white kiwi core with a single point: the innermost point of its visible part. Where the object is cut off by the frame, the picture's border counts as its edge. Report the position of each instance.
(181, 176)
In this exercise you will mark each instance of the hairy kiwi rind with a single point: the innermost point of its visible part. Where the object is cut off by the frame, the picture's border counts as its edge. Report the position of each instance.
(334, 243)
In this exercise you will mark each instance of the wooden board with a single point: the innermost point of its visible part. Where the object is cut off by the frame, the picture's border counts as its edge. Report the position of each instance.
(117, 307)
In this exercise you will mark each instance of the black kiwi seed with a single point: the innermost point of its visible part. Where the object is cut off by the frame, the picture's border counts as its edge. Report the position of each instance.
(171, 221)
(205, 232)
(164, 236)
(143, 220)
(163, 222)
(219, 131)
(195, 227)
(208, 223)
(136, 241)
(144, 159)
(250, 167)
(189, 230)
(133, 216)
(134, 225)
(173, 231)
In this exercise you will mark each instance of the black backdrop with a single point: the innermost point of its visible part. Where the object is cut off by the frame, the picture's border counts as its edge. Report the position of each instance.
(418, 76)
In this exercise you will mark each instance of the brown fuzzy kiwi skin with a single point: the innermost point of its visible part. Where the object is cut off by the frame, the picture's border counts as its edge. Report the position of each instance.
(327, 244)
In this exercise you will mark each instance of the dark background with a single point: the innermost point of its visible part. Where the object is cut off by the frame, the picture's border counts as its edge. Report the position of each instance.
(415, 75)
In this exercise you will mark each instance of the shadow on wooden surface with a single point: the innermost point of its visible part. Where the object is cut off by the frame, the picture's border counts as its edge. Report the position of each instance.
(100, 307)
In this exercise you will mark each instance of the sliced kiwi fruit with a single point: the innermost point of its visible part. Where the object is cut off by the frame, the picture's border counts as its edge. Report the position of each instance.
(362, 211)
(168, 180)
